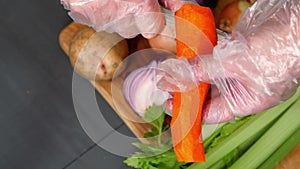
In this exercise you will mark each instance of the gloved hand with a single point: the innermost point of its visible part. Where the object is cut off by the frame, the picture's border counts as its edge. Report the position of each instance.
(126, 17)
(255, 68)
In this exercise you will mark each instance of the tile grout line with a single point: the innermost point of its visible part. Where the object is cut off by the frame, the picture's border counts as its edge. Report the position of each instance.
(90, 148)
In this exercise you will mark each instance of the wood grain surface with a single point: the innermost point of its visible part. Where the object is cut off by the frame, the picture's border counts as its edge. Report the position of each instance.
(134, 123)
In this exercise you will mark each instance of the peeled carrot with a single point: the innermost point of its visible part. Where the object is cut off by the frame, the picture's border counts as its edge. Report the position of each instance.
(195, 35)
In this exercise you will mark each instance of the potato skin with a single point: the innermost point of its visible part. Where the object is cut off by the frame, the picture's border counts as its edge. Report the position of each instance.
(97, 55)
(164, 43)
(231, 14)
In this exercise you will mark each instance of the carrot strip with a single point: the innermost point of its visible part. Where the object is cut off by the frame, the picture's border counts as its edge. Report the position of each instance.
(195, 35)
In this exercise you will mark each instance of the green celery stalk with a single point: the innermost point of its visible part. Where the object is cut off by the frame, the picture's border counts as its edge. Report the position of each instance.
(233, 156)
(209, 130)
(282, 151)
(271, 140)
(223, 132)
(253, 126)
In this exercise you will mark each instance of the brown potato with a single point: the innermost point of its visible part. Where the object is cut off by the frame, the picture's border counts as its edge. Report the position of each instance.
(231, 9)
(231, 14)
(165, 40)
(164, 43)
(97, 55)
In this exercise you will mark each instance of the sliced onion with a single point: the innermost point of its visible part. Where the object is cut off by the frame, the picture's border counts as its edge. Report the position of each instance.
(140, 89)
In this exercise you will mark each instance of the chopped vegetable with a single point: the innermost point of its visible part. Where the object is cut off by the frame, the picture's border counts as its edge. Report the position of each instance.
(187, 106)
(141, 82)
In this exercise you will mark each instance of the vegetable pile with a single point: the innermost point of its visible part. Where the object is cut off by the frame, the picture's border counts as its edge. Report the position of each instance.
(256, 141)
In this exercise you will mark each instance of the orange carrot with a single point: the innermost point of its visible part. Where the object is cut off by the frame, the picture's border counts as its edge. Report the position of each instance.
(195, 35)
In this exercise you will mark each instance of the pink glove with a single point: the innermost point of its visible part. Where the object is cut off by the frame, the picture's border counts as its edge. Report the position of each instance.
(126, 17)
(258, 67)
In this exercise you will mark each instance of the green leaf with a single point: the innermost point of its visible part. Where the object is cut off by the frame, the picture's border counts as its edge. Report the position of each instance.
(225, 131)
(158, 155)
(155, 116)
(166, 160)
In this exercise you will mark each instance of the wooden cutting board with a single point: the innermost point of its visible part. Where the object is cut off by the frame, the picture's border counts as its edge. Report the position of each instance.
(104, 87)
(291, 161)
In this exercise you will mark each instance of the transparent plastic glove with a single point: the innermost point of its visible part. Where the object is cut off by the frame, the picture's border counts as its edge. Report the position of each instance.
(254, 69)
(126, 17)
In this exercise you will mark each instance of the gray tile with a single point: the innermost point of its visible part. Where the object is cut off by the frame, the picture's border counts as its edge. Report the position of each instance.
(33, 28)
(38, 123)
(21, 78)
(30, 56)
(45, 134)
(92, 107)
(101, 156)
(120, 142)
(98, 158)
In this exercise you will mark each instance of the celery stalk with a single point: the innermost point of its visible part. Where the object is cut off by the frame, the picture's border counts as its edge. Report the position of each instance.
(282, 151)
(223, 132)
(253, 126)
(208, 130)
(233, 156)
(271, 140)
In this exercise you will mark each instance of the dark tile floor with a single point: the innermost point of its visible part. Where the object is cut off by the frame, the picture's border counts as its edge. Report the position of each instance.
(38, 124)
